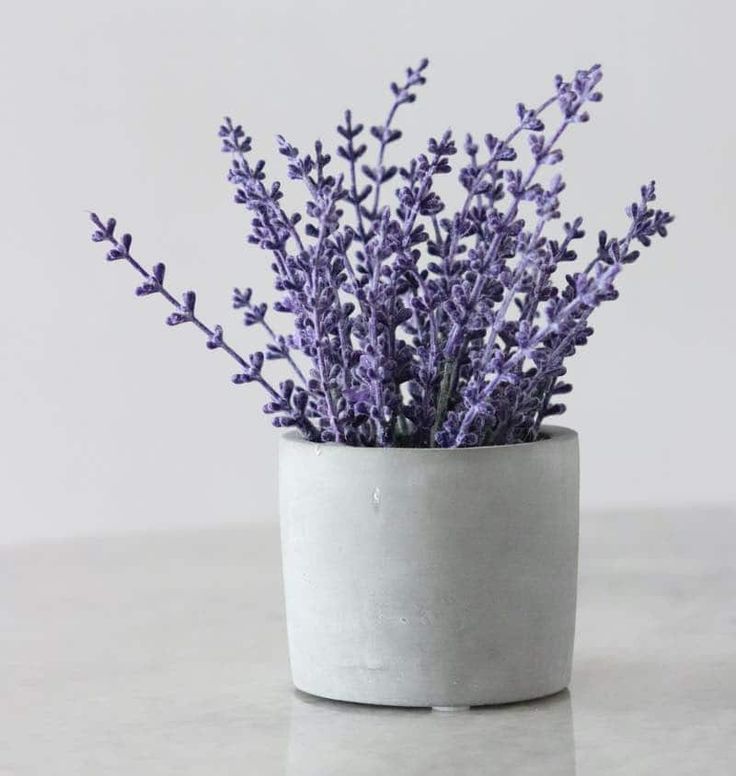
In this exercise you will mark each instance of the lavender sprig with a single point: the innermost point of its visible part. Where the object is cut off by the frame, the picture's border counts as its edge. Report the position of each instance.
(256, 314)
(153, 282)
(385, 133)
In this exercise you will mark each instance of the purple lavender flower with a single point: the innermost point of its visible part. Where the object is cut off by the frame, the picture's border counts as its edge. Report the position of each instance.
(413, 325)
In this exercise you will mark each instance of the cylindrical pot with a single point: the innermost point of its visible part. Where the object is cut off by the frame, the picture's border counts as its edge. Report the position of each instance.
(430, 577)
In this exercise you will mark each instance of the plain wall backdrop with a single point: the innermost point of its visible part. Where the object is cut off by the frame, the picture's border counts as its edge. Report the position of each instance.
(110, 420)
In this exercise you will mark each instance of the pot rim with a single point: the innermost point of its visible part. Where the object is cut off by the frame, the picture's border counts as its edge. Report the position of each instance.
(547, 434)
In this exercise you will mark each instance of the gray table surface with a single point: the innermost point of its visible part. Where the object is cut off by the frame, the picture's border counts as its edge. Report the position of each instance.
(166, 654)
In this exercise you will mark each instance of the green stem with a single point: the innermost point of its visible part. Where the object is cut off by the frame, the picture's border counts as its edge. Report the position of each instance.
(448, 378)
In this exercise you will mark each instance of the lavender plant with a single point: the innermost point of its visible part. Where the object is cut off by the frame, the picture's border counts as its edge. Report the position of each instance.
(411, 325)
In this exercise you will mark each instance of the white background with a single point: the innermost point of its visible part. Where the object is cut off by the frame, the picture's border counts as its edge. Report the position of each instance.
(109, 420)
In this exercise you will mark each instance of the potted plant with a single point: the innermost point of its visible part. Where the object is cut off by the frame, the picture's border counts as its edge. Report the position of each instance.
(429, 517)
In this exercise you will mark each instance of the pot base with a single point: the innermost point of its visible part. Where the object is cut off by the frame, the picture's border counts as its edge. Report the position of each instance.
(408, 703)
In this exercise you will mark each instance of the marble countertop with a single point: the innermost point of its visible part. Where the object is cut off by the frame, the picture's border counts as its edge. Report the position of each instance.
(165, 653)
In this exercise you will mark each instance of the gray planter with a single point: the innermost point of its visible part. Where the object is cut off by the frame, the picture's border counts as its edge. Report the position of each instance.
(418, 577)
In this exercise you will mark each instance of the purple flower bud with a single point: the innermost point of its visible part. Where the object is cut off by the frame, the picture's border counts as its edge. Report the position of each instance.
(215, 340)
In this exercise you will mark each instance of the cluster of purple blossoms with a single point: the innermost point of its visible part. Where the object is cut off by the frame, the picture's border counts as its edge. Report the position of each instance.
(413, 326)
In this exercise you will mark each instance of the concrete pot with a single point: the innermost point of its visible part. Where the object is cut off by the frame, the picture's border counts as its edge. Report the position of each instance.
(418, 577)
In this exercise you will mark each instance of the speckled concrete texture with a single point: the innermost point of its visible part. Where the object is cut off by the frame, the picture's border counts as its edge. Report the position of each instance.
(418, 577)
